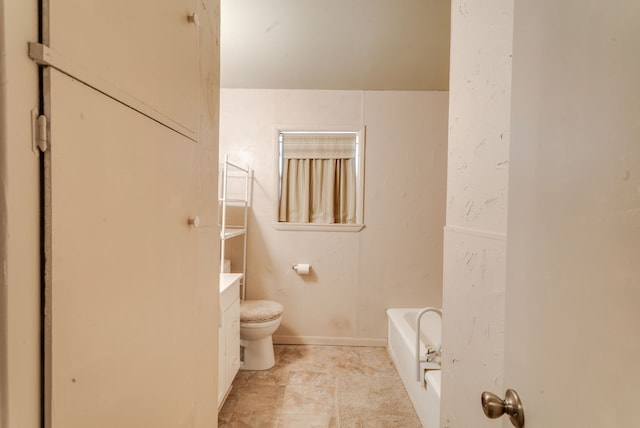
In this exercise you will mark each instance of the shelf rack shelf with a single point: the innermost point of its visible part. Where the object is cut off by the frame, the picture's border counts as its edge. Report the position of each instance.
(233, 193)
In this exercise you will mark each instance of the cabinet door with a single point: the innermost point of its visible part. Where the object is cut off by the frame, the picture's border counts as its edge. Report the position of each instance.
(123, 340)
(222, 367)
(229, 344)
(146, 48)
(232, 341)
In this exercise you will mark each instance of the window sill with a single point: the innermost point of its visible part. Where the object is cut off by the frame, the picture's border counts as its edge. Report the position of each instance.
(315, 227)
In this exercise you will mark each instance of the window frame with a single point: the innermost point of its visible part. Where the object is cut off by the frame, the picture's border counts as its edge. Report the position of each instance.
(360, 131)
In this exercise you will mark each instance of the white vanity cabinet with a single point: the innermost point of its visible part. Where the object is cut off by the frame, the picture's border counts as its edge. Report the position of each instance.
(228, 333)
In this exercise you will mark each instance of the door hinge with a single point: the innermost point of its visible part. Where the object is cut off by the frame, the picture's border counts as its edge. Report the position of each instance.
(39, 135)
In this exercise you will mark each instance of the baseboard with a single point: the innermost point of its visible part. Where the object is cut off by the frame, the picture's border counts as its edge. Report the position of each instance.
(323, 340)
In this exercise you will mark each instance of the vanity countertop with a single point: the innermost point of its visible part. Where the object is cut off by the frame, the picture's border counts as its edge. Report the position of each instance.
(228, 279)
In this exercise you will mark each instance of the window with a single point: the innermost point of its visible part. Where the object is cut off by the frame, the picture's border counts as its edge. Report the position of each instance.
(320, 179)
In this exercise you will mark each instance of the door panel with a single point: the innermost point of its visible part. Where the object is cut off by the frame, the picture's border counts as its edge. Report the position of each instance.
(572, 318)
(146, 48)
(122, 333)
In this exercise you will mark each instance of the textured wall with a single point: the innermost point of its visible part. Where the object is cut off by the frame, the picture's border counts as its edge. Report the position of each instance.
(396, 260)
(475, 235)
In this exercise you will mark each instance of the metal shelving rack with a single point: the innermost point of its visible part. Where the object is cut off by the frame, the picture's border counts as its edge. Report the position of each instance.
(229, 195)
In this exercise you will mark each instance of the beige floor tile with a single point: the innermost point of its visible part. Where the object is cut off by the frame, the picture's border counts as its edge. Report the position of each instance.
(358, 395)
(312, 358)
(309, 400)
(323, 387)
(274, 376)
(249, 420)
(311, 378)
(254, 398)
(379, 421)
(376, 362)
(307, 421)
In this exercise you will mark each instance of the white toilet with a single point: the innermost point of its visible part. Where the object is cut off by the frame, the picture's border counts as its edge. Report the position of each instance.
(259, 319)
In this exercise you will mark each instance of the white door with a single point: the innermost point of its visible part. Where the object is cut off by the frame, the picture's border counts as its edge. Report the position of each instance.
(572, 326)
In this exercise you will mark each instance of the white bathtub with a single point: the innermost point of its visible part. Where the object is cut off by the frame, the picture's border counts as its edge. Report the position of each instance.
(424, 394)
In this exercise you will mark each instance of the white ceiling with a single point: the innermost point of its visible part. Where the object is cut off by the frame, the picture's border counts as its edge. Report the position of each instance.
(335, 44)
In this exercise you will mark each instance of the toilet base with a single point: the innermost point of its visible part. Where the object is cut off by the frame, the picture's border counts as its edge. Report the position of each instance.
(258, 354)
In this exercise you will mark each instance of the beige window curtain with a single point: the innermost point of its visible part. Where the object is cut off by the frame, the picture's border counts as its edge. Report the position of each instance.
(318, 182)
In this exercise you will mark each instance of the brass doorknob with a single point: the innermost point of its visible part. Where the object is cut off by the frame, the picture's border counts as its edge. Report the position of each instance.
(494, 407)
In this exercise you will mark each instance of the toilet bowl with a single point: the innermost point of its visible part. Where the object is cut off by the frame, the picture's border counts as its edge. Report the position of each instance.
(259, 319)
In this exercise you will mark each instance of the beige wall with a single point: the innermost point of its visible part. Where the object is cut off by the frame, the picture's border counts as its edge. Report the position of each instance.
(475, 235)
(336, 44)
(396, 261)
(19, 221)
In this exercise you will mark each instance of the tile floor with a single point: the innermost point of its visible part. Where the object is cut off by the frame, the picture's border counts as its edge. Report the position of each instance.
(321, 386)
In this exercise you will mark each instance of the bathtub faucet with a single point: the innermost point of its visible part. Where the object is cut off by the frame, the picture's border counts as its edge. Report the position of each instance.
(432, 354)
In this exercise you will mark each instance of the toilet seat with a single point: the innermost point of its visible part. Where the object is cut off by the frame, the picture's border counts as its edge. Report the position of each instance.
(259, 311)
(260, 325)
